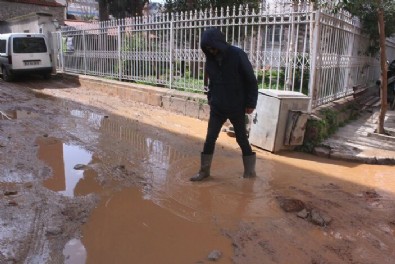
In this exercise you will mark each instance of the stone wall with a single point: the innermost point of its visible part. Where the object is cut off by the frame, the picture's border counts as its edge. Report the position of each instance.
(10, 10)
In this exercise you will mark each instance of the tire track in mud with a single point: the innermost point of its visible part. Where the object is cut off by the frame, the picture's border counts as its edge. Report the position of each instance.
(41, 229)
(12, 93)
(37, 239)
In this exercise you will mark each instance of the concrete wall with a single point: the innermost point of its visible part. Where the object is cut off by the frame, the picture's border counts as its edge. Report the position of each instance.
(32, 23)
(28, 25)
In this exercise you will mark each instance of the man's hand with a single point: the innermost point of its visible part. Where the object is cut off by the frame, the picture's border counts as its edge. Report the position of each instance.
(249, 110)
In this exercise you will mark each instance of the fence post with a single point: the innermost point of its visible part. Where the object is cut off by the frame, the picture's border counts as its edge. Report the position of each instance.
(315, 57)
(119, 54)
(291, 50)
(59, 58)
(171, 52)
(350, 49)
(83, 43)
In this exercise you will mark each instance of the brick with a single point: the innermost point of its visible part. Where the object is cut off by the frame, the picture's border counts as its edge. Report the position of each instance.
(192, 109)
(178, 105)
(204, 111)
(154, 99)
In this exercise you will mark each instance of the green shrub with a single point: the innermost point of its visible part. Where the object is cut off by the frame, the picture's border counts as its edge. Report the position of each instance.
(319, 130)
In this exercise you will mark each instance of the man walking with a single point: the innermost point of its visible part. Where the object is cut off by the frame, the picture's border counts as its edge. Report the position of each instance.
(233, 92)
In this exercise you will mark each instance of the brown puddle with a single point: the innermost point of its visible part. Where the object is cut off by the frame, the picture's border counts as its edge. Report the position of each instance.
(157, 224)
(126, 228)
(171, 220)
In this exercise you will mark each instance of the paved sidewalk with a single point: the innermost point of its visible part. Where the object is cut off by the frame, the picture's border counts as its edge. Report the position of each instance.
(357, 141)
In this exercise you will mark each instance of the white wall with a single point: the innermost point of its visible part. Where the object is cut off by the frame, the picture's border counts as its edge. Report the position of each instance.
(33, 24)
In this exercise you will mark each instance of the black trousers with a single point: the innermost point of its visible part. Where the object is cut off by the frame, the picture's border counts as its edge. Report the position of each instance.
(215, 124)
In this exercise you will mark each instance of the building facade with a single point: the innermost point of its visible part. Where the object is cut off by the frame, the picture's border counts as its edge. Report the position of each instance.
(83, 9)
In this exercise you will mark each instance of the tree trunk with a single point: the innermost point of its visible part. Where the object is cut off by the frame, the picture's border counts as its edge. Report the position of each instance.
(103, 10)
(383, 63)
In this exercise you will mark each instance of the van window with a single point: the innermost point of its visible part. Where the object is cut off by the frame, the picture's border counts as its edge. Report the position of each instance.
(2, 45)
(29, 45)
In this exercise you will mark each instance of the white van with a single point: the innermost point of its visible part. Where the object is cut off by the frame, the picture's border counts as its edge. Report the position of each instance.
(24, 53)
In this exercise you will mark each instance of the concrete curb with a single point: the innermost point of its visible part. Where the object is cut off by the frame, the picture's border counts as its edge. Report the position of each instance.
(352, 155)
(185, 103)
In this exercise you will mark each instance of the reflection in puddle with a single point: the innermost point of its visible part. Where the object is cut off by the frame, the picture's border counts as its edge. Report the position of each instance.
(156, 155)
(17, 114)
(74, 252)
(62, 159)
(92, 118)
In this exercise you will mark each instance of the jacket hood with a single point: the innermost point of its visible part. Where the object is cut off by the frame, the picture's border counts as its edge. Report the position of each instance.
(213, 38)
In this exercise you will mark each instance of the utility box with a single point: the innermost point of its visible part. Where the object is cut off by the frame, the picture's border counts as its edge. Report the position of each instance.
(279, 120)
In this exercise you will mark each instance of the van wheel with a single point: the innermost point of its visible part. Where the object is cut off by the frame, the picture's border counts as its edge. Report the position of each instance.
(6, 75)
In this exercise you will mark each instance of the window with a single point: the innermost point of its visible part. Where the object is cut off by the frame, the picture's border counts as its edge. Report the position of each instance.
(29, 45)
(3, 43)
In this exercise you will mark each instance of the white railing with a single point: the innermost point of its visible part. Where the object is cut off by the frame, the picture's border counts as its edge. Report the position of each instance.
(290, 45)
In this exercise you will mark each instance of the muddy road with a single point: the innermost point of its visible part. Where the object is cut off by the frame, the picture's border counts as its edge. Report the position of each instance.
(90, 178)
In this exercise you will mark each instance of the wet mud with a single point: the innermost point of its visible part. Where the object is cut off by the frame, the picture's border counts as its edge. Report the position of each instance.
(88, 178)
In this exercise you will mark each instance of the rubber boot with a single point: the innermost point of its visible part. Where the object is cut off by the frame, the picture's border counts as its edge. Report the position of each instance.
(249, 166)
(205, 165)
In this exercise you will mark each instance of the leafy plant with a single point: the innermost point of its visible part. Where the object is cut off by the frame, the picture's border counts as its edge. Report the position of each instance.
(267, 79)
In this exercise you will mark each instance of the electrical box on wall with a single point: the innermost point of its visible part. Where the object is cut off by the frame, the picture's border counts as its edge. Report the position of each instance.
(279, 120)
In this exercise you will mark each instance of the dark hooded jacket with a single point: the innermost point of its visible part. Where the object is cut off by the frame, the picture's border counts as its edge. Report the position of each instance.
(232, 83)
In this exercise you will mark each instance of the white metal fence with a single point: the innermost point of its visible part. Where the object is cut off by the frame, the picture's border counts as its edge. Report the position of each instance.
(290, 45)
